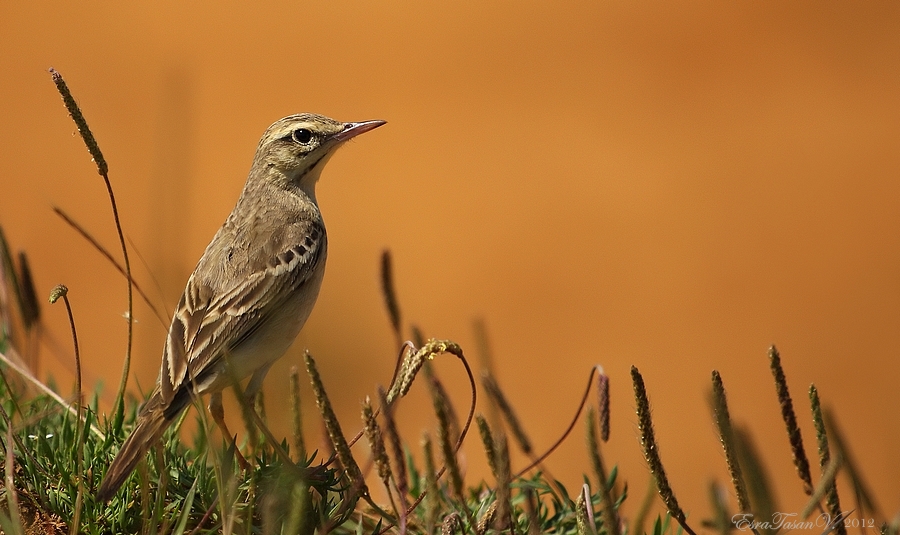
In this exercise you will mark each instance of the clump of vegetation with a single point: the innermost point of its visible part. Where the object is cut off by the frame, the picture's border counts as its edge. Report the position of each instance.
(55, 450)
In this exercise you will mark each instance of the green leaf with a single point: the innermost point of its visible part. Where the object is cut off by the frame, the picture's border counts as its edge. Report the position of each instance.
(186, 510)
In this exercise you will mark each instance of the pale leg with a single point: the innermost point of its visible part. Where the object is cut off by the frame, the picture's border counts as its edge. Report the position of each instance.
(256, 381)
(218, 414)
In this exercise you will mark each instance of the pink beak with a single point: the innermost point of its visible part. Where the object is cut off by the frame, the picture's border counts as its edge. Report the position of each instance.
(352, 130)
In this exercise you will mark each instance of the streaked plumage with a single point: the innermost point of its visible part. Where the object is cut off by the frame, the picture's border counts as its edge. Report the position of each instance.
(254, 286)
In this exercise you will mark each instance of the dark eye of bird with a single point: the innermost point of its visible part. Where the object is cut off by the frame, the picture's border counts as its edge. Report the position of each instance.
(302, 135)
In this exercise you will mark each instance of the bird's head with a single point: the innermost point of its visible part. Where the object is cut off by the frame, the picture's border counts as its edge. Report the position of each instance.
(294, 149)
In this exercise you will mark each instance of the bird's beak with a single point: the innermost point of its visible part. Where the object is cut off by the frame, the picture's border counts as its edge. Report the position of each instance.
(352, 130)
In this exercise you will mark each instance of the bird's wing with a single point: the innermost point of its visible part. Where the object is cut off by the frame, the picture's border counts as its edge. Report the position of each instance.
(209, 324)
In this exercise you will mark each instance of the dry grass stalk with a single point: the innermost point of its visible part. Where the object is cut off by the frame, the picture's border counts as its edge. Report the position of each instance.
(509, 416)
(297, 417)
(651, 451)
(333, 428)
(801, 463)
(376, 444)
(832, 499)
(603, 403)
(726, 438)
(396, 451)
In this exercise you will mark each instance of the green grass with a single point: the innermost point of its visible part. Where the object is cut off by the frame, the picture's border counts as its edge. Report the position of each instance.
(180, 488)
(200, 489)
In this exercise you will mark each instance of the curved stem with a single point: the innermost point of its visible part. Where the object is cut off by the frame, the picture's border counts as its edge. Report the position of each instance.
(126, 368)
(565, 434)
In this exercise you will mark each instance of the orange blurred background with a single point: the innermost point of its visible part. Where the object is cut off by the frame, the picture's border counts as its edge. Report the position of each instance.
(669, 186)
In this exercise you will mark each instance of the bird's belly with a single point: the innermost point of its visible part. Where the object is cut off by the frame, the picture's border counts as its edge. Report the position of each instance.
(270, 341)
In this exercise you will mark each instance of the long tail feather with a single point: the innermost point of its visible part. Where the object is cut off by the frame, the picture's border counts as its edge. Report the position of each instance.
(152, 422)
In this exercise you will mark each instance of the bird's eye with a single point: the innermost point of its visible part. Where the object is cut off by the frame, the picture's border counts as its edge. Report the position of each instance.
(302, 136)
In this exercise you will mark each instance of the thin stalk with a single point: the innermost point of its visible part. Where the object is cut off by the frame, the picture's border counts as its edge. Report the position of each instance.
(103, 170)
(12, 496)
(565, 434)
(727, 439)
(831, 493)
(651, 451)
(62, 291)
(106, 254)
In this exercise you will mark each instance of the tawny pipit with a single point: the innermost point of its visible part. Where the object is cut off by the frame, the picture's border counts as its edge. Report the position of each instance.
(252, 289)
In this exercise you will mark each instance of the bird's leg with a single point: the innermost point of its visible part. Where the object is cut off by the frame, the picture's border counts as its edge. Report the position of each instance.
(255, 383)
(255, 411)
(218, 414)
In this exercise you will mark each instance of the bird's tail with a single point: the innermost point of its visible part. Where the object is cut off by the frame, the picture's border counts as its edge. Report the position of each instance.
(152, 422)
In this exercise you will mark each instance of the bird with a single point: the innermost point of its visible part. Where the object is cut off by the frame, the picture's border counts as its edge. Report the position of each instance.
(252, 289)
